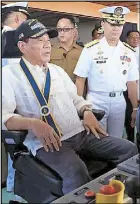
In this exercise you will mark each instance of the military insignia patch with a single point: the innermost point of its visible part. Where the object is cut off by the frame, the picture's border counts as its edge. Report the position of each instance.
(100, 52)
(125, 58)
(124, 72)
(44, 111)
(118, 11)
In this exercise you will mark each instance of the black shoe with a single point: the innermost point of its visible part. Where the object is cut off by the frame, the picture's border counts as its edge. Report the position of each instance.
(13, 202)
(3, 185)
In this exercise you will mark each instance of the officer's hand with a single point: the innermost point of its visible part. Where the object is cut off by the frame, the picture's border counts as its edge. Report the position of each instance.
(46, 135)
(133, 117)
(91, 124)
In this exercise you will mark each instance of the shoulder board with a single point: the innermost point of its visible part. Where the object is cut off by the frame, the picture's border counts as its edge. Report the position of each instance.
(127, 45)
(92, 43)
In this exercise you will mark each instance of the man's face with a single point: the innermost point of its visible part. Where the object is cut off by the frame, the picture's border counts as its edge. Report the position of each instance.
(66, 30)
(97, 36)
(133, 39)
(21, 18)
(37, 50)
(112, 32)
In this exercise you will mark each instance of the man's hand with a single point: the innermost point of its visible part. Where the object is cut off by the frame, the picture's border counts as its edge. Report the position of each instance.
(133, 117)
(46, 135)
(91, 124)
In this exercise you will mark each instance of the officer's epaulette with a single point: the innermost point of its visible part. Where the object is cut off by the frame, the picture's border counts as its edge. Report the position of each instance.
(127, 45)
(90, 44)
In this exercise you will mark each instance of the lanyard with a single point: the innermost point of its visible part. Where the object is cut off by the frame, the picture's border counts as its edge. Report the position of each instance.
(43, 98)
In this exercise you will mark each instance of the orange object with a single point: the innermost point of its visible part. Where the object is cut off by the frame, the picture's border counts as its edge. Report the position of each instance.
(107, 190)
(116, 197)
(90, 194)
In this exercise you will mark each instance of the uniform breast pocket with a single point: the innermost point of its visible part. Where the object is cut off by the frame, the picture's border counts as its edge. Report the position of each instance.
(74, 58)
(57, 59)
(99, 69)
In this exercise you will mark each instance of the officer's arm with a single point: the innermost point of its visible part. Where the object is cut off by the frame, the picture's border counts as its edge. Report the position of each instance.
(132, 93)
(80, 83)
(82, 70)
(133, 76)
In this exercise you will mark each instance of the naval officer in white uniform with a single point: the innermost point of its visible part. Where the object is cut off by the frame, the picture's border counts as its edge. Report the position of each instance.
(12, 16)
(110, 67)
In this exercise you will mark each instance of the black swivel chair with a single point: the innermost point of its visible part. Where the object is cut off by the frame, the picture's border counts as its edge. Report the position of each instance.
(34, 181)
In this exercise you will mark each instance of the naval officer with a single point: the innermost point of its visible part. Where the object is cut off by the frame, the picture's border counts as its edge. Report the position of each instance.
(110, 67)
(13, 15)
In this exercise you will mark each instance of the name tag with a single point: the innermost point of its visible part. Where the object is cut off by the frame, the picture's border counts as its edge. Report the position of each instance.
(101, 62)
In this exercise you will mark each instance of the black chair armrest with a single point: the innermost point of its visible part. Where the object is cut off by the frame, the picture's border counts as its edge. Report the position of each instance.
(14, 136)
(99, 114)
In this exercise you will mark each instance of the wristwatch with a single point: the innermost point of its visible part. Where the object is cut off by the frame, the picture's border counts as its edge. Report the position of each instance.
(135, 109)
(86, 109)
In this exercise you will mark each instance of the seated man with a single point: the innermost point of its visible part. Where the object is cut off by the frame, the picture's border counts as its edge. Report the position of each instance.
(47, 104)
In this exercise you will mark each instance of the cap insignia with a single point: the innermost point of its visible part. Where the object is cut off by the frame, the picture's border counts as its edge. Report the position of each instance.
(118, 11)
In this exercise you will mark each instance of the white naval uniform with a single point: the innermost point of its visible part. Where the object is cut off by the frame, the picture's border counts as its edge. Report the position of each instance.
(6, 28)
(137, 49)
(108, 69)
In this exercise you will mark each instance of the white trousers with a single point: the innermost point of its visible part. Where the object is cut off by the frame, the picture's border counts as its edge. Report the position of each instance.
(114, 107)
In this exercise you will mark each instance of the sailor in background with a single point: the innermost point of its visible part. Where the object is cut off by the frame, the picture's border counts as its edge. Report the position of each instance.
(110, 67)
(133, 39)
(97, 32)
(12, 16)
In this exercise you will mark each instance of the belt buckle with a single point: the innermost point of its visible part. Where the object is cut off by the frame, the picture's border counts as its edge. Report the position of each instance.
(112, 94)
(44, 111)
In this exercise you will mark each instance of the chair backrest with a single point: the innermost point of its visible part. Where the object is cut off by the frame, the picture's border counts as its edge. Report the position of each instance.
(13, 140)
